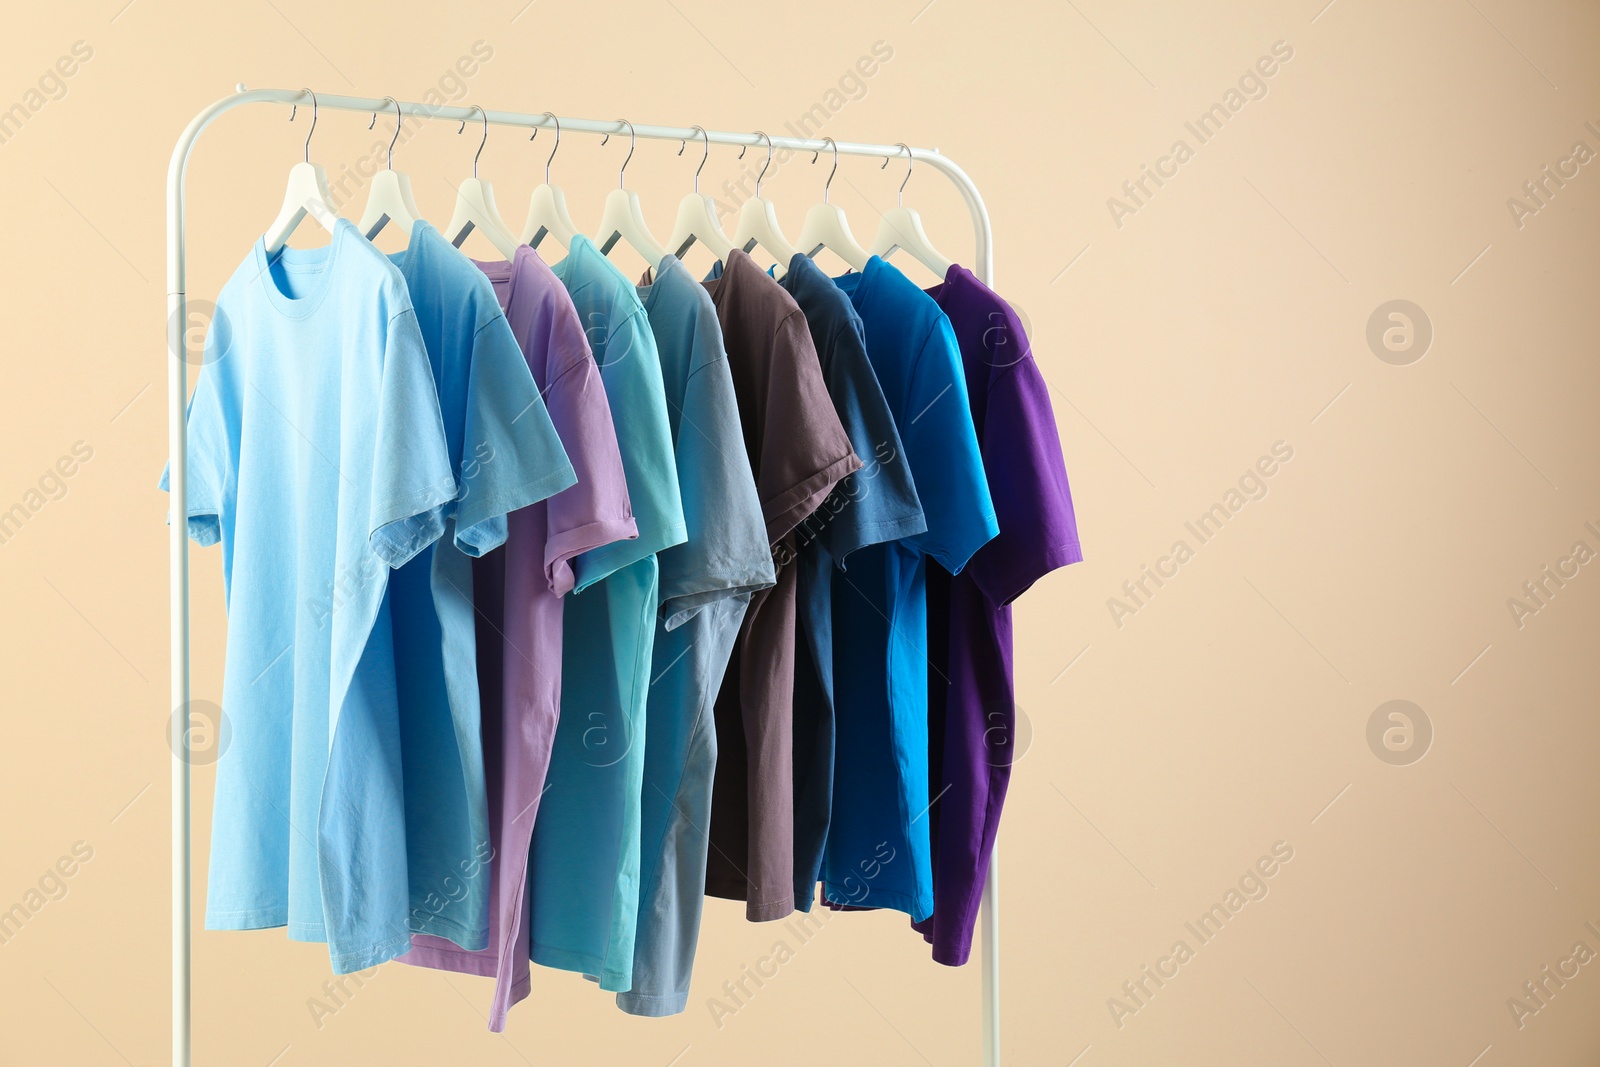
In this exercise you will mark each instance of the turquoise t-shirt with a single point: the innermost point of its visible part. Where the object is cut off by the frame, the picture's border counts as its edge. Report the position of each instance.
(318, 458)
(878, 852)
(506, 455)
(583, 871)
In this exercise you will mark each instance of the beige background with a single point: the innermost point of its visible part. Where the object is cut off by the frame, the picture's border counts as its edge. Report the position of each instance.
(1227, 313)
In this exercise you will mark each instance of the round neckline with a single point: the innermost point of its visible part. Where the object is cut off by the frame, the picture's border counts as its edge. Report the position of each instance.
(506, 270)
(318, 261)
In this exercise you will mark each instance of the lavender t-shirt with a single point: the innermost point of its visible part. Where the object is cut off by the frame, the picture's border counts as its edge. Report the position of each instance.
(518, 592)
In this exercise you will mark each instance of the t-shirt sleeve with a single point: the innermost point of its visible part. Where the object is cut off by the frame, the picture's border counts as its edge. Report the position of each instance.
(1028, 481)
(942, 447)
(631, 370)
(726, 552)
(412, 484)
(596, 510)
(804, 451)
(211, 426)
(511, 455)
(879, 502)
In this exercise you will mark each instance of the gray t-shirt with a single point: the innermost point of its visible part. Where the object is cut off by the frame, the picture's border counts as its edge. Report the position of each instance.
(706, 585)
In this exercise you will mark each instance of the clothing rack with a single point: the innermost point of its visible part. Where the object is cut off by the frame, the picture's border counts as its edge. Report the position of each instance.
(177, 398)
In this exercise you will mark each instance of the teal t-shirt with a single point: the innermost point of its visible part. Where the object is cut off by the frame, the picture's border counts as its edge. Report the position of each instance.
(583, 871)
(318, 459)
(878, 852)
(506, 455)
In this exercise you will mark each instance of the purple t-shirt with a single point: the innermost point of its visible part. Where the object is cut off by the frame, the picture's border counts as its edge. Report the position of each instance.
(971, 697)
(518, 592)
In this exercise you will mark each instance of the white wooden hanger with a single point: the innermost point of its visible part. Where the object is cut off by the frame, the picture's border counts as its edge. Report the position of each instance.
(547, 210)
(826, 226)
(307, 193)
(901, 228)
(475, 208)
(390, 199)
(697, 215)
(758, 221)
(621, 218)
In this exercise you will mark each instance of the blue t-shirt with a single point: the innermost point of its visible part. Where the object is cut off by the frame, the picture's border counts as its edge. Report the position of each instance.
(318, 458)
(878, 851)
(875, 504)
(506, 455)
(583, 873)
(706, 585)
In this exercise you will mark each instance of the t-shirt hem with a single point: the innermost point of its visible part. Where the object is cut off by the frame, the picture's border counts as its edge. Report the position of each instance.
(443, 959)
(756, 911)
(601, 563)
(880, 532)
(561, 548)
(786, 510)
(954, 557)
(678, 608)
(586, 963)
(474, 541)
(249, 919)
(1016, 578)
(653, 1005)
(471, 939)
(362, 959)
(918, 907)
(411, 523)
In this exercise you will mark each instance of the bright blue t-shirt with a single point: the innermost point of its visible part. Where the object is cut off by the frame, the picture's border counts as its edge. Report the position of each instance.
(878, 852)
(318, 458)
(506, 455)
(875, 504)
(583, 871)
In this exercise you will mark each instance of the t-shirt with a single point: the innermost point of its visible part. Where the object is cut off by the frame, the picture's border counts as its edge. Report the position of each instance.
(878, 844)
(518, 595)
(317, 457)
(584, 868)
(706, 583)
(971, 697)
(877, 503)
(798, 451)
(506, 455)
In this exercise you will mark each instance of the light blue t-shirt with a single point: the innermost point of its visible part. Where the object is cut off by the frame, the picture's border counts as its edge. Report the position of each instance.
(878, 852)
(318, 458)
(706, 584)
(583, 871)
(506, 455)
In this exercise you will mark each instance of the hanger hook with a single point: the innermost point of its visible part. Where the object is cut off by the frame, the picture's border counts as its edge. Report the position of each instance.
(485, 140)
(684, 143)
(622, 170)
(398, 118)
(765, 165)
(551, 115)
(293, 108)
(828, 184)
(900, 194)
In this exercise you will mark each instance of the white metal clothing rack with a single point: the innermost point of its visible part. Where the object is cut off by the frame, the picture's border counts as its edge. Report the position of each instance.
(177, 396)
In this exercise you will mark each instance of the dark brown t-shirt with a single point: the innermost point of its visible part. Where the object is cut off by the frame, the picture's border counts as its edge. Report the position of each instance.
(798, 451)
